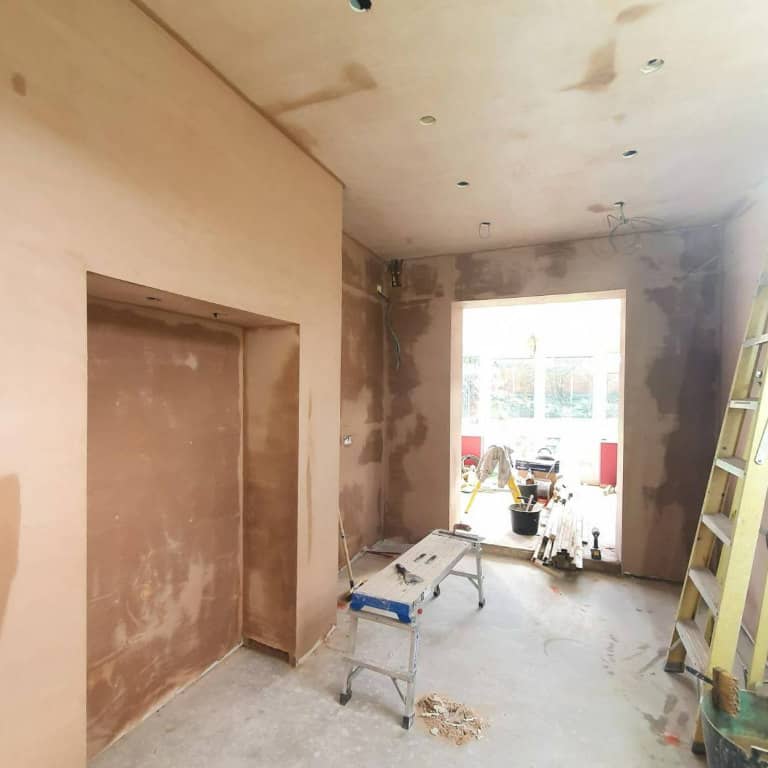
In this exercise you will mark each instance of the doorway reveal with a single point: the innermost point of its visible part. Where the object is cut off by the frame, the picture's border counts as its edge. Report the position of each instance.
(543, 377)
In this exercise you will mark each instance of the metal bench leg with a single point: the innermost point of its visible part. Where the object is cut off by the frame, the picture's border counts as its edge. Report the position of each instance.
(349, 668)
(410, 690)
(479, 561)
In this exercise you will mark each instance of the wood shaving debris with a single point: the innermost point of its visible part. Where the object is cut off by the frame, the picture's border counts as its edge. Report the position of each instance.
(448, 718)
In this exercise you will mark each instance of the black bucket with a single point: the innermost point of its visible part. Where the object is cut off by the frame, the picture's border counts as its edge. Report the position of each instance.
(527, 490)
(524, 522)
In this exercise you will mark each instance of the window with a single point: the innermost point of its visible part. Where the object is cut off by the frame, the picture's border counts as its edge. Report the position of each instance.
(612, 396)
(512, 388)
(568, 388)
(471, 388)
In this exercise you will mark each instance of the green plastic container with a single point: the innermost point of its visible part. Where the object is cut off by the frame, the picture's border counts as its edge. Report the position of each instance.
(739, 740)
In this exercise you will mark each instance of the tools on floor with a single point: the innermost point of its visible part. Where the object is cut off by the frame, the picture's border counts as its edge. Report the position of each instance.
(560, 544)
(708, 622)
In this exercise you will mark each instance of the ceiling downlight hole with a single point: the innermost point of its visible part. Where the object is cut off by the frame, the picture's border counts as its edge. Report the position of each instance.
(652, 65)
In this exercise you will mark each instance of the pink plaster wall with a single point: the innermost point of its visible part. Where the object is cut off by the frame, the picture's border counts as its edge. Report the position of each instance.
(672, 372)
(123, 155)
(164, 517)
(362, 478)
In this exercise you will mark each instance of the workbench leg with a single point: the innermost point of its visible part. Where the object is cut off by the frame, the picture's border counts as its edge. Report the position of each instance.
(410, 690)
(479, 560)
(346, 685)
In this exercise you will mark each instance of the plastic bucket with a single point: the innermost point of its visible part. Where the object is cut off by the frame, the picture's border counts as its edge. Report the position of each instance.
(524, 522)
(527, 490)
(736, 741)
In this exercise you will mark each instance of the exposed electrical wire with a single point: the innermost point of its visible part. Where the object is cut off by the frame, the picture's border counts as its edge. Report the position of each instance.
(621, 224)
(391, 330)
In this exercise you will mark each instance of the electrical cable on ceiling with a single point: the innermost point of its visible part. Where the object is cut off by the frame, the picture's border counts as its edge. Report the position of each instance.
(621, 224)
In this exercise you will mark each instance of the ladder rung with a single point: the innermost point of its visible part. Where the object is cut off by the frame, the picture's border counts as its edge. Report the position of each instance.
(732, 465)
(750, 404)
(709, 587)
(695, 645)
(755, 340)
(721, 525)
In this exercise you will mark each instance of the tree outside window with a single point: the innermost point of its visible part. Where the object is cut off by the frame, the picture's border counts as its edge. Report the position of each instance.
(568, 388)
(512, 387)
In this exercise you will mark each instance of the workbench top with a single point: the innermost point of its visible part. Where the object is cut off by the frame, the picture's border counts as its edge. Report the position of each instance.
(387, 584)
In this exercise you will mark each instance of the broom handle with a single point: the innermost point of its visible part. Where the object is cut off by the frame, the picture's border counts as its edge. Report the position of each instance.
(346, 551)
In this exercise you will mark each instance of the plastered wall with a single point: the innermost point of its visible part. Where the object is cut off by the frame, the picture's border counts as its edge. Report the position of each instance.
(125, 156)
(164, 517)
(361, 485)
(270, 493)
(672, 363)
(745, 255)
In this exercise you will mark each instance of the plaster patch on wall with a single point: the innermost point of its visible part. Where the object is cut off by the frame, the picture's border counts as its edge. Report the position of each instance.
(19, 84)
(362, 363)
(355, 78)
(480, 276)
(600, 72)
(635, 13)
(555, 258)
(410, 320)
(373, 449)
(412, 438)
(422, 279)
(684, 389)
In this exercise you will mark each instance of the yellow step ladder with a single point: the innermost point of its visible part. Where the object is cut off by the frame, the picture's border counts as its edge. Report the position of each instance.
(709, 616)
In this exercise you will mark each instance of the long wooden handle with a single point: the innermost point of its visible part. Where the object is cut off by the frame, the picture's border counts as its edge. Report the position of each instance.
(346, 551)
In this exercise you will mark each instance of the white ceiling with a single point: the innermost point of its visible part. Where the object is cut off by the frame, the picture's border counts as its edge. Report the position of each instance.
(535, 100)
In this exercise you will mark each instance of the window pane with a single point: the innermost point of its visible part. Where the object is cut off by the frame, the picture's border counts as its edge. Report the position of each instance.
(512, 389)
(568, 388)
(612, 396)
(471, 388)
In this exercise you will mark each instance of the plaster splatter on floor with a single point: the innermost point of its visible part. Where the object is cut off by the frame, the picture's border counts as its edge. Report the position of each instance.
(447, 718)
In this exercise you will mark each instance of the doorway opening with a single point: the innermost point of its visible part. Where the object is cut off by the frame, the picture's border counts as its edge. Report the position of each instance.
(542, 378)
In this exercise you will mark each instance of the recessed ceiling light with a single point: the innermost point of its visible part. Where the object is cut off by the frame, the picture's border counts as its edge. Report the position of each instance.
(427, 119)
(152, 298)
(360, 6)
(629, 153)
(462, 183)
(652, 65)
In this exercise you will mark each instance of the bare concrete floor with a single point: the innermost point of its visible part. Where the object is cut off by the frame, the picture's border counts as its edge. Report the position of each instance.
(568, 671)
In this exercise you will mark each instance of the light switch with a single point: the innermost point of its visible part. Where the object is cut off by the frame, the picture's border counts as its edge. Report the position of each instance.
(346, 440)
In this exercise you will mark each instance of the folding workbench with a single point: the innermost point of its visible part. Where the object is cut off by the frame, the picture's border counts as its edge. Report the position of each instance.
(387, 599)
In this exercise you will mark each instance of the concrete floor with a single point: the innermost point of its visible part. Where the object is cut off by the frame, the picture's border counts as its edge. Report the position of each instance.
(567, 669)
